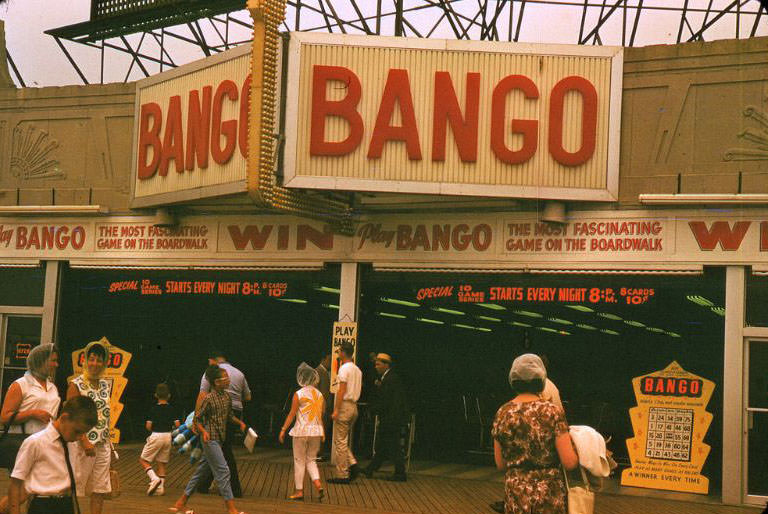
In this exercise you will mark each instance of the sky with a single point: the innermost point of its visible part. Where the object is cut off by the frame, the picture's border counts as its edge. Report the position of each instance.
(42, 63)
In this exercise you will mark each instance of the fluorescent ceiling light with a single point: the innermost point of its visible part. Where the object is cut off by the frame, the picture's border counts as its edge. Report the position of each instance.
(547, 329)
(447, 311)
(433, 321)
(519, 324)
(330, 306)
(459, 325)
(492, 306)
(292, 300)
(609, 316)
(391, 315)
(634, 323)
(560, 321)
(673, 334)
(609, 332)
(399, 302)
(582, 308)
(483, 329)
(654, 329)
(718, 310)
(488, 318)
(586, 327)
(563, 332)
(529, 314)
(325, 289)
(699, 300)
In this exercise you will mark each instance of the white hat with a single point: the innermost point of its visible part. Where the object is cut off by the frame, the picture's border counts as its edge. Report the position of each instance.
(527, 367)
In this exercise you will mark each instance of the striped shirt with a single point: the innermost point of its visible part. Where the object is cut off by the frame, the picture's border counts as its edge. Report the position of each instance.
(214, 414)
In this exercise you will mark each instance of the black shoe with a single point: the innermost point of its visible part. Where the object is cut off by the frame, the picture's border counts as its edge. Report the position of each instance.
(397, 478)
(367, 473)
(338, 480)
(497, 506)
(354, 471)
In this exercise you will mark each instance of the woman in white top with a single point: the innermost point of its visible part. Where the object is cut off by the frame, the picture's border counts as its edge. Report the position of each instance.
(307, 409)
(33, 397)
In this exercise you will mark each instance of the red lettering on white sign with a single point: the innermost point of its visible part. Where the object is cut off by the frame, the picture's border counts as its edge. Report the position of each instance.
(720, 233)
(397, 94)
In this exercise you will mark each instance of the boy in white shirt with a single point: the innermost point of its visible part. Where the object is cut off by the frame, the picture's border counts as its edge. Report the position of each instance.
(43, 464)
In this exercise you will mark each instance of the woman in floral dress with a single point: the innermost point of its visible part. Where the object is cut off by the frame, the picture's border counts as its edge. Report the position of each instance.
(531, 440)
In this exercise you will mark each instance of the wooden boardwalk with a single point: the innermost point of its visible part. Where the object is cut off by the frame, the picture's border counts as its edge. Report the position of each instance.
(433, 488)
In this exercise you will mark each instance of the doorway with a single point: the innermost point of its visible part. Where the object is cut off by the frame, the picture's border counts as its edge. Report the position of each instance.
(755, 422)
(18, 335)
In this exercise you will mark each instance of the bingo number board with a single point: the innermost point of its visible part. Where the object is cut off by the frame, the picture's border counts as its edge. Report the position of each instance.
(669, 434)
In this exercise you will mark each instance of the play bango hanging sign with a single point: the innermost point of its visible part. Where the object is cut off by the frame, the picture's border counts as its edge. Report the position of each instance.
(452, 117)
(191, 130)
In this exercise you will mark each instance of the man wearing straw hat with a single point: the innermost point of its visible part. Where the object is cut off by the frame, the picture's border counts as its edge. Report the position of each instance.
(391, 406)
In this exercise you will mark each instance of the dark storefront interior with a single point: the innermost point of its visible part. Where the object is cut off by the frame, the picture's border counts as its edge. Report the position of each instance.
(453, 354)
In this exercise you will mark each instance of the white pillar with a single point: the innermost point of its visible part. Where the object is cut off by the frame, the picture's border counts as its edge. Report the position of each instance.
(733, 383)
(50, 297)
(350, 291)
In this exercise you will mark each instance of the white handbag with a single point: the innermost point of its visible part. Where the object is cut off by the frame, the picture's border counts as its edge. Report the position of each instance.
(581, 499)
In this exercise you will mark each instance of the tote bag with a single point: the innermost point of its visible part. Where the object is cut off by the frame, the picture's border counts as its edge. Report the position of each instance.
(10, 444)
(581, 500)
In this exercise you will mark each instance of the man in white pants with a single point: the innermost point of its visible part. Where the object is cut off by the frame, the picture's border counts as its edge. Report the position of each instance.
(345, 414)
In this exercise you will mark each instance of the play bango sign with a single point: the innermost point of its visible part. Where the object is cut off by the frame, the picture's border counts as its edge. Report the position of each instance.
(453, 117)
(191, 130)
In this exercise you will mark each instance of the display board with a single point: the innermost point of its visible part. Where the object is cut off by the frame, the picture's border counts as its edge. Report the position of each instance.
(669, 422)
(343, 332)
(118, 363)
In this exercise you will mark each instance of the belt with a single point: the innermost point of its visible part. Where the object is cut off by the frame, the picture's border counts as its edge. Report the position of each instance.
(51, 496)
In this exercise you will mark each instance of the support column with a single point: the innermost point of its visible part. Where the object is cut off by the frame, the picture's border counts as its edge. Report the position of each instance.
(733, 383)
(350, 291)
(50, 307)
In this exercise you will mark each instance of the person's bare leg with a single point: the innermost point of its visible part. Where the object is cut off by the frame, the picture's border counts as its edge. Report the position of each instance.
(231, 509)
(97, 503)
(181, 502)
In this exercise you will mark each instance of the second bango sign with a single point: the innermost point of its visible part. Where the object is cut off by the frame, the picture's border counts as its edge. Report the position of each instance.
(452, 117)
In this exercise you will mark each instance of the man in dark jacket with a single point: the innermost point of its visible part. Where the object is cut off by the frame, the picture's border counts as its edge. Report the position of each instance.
(391, 405)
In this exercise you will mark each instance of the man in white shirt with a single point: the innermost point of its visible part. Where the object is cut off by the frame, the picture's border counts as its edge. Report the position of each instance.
(345, 414)
(43, 465)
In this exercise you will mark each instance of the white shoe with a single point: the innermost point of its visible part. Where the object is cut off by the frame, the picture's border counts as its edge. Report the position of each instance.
(161, 489)
(154, 484)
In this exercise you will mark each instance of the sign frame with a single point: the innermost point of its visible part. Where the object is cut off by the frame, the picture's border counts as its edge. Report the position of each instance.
(293, 180)
(194, 193)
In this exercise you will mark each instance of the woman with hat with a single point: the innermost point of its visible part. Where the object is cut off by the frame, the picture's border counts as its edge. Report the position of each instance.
(307, 433)
(95, 447)
(531, 441)
(33, 398)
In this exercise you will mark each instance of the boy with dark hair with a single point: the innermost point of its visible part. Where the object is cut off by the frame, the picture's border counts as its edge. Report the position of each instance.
(211, 426)
(160, 423)
(43, 465)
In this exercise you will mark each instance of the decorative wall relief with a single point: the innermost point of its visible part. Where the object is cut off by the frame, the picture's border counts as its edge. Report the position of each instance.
(758, 137)
(31, 155)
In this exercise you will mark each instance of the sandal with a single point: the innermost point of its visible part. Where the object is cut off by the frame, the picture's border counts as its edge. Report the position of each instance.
(297, 497)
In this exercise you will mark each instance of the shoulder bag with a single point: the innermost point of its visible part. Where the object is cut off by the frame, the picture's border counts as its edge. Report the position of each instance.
(10, 444)
(581, 499)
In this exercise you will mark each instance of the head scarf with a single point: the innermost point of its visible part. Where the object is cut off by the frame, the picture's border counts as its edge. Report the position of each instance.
(527, 367)
(37, 361)
(306, 375)
(88, 347)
